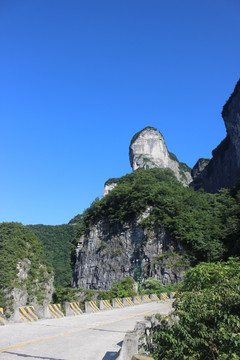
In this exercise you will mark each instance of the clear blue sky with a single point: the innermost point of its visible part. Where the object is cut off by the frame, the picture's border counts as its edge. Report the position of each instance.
(79, 78)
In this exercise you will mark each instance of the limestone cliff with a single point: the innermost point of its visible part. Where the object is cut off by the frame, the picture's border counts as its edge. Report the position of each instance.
(109, 185)
(148, 150)
(109, 253)
(223, 170)
(25, 276)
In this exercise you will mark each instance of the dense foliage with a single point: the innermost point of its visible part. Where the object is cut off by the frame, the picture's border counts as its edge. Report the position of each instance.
(19, 248)
(57, 243)
(154, 286)
(120, 289)
(205, 324)
(206, 224)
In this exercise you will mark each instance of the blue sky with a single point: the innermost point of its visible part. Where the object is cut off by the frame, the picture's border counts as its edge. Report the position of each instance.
(79, 78)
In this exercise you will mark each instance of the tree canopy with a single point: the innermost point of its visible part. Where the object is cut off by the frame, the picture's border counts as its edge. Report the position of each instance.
(207, 224)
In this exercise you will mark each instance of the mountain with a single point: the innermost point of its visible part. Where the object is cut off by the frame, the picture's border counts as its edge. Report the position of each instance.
(57, 243)
(223, 169)
(25, 275)
(150, 225)
(148, 150)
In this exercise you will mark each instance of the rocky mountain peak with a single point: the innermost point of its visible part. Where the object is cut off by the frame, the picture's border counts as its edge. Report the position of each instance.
(223, 170)
(231, 117)
(148, 150)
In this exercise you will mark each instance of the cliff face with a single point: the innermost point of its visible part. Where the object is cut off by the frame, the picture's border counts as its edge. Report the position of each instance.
(223, 170)
(109, 253)
(25, 277)
(148, 150)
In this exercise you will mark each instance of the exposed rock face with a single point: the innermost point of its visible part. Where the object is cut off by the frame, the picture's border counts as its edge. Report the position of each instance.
(148, 150)
(110, 253)
(108, 187)
(231, 117)
(223, 170)
(199, 172)
(20, 296)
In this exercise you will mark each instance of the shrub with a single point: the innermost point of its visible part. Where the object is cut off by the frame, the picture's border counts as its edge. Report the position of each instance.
(205, 323)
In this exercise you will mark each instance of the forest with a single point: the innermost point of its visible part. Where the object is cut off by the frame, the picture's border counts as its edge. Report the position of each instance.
(208, 225)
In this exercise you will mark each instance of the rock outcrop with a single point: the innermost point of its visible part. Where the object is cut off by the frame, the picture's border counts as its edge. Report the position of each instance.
(223, 170)
(26, 278)
(148, 150)
(109, 253)
(109, 185)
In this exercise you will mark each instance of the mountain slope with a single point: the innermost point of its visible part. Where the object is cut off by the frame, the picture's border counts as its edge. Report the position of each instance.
(149, 207)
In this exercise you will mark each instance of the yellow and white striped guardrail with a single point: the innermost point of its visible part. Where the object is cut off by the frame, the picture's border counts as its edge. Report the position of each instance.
(56, 310)
(28, 313)
(105, 305)
(173, 294)
(128, 301)
(164, 296)
(2, 320)
(146, 298)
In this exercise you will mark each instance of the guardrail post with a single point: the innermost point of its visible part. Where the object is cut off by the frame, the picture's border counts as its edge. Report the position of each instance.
(91, 307)
(105, 305)
(117, 303)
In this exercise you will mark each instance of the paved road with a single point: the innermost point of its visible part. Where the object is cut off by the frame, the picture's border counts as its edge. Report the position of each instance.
(95, 336)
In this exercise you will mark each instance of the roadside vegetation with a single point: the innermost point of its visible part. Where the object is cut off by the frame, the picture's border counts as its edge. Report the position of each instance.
(206, 321)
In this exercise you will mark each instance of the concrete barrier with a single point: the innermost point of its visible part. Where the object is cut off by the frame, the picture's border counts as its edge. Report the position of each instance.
(146, 299)
(154, 297)
(128, 301)
(142, 357)
(91, 307)
(2, 318)
(54, 311)
(137, 300)
(163, 296)
(26, 314)
(129, 346)
(72, 309)
(105, 305)
(117, 303)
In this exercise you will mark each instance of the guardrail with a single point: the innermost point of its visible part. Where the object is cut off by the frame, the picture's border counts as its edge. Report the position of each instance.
(29, 313)
(25, 314)
(2, 317)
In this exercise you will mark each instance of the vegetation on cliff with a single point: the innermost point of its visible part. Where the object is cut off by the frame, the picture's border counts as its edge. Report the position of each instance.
(57, 243)
(206, 224)
(205, 323)
(23, 264)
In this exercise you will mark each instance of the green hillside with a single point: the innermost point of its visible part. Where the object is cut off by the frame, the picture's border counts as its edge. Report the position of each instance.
(57, 243)
(21, 252)
(206, 224)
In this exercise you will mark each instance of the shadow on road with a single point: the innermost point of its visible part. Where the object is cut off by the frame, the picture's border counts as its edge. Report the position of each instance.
(32, 356)
(110, 355)
(97, 329)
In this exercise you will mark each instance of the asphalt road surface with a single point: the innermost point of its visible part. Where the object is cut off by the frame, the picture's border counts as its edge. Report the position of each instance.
(95, 336)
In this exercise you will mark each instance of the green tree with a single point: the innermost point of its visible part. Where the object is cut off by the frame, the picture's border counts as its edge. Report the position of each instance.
(123, 288)
(205, 323)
